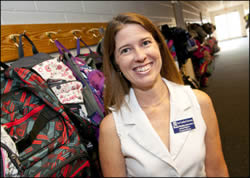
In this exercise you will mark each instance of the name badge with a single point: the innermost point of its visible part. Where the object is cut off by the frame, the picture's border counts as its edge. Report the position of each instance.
(183, 125)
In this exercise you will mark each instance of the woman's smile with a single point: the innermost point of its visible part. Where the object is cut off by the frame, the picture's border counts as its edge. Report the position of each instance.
(143, 69)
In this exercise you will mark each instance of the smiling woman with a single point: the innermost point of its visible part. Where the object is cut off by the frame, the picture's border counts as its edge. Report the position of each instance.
(154, 122)
(138, 58)
(118, 85)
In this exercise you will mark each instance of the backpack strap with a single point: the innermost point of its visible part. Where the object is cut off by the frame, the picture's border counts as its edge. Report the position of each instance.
(3, 65)
(46, 115)
(60, 47)
(20, 47)
(78, 40)
(91, 103)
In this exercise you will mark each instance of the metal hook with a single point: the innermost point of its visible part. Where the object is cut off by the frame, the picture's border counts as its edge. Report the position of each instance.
(74, 33)
(92, 30)
(13, 38)
(49, 35)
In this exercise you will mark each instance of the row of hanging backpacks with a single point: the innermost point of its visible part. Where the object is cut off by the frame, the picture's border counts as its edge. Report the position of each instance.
(186, 78)
(46, 139)
(203, 33)
(180, 38)
(193, 44)
(203, 59)
(51, 139)
(181, 47)
(59, 72)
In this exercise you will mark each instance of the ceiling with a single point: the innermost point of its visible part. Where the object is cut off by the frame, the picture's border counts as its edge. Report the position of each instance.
(216, 5)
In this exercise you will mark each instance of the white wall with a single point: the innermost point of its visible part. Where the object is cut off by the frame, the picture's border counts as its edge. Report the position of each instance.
(36, 12)
(191, 13)
(44, 12)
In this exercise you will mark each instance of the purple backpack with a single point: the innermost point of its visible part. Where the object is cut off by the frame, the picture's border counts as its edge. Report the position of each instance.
(92, 79)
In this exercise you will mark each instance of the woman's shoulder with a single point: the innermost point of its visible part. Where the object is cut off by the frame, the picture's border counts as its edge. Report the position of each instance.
(203, 98)
(107, 123)
(107, 130)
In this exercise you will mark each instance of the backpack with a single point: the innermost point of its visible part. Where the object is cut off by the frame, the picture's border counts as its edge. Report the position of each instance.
(29, 61)
(48, 141)
(93, 83)
(9, 156)
(94, 74)
(210, 68)
(92, 59)
(180, 37)
(90, 94)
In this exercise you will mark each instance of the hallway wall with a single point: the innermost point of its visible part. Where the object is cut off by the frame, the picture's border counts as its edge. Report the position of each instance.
(35, 12)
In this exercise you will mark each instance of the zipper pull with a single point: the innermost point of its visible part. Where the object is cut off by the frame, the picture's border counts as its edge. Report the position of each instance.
(17, 162)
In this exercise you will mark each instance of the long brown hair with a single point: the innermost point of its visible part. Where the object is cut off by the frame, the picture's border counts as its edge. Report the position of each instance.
(116, 85)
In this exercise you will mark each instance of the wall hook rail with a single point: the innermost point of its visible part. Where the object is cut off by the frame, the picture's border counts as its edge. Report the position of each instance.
(43, 35)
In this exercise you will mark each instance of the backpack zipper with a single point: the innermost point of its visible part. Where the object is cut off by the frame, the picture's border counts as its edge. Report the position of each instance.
(13, 157)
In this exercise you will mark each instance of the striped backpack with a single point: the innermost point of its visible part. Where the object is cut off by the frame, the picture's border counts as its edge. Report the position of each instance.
(46, 136)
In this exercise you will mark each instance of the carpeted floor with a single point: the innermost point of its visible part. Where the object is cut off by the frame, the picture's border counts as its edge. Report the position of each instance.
(229, 89)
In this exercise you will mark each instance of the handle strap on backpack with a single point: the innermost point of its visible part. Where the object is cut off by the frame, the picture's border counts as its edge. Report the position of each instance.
(60, 47)
(78, 40)
(3, 65)
(44, 117)
(20, 47)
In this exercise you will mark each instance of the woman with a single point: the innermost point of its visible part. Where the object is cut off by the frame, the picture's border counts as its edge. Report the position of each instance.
(155, 125)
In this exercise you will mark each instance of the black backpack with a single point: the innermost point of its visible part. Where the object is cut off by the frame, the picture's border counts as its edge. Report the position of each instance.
(29, 61)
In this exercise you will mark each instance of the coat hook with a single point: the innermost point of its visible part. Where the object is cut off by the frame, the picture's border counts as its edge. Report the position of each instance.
(92, 31)
(13, 38)
(49, 35)
(74, 32)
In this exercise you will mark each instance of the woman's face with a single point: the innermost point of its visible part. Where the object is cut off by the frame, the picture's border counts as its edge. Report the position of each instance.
(138, 56)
